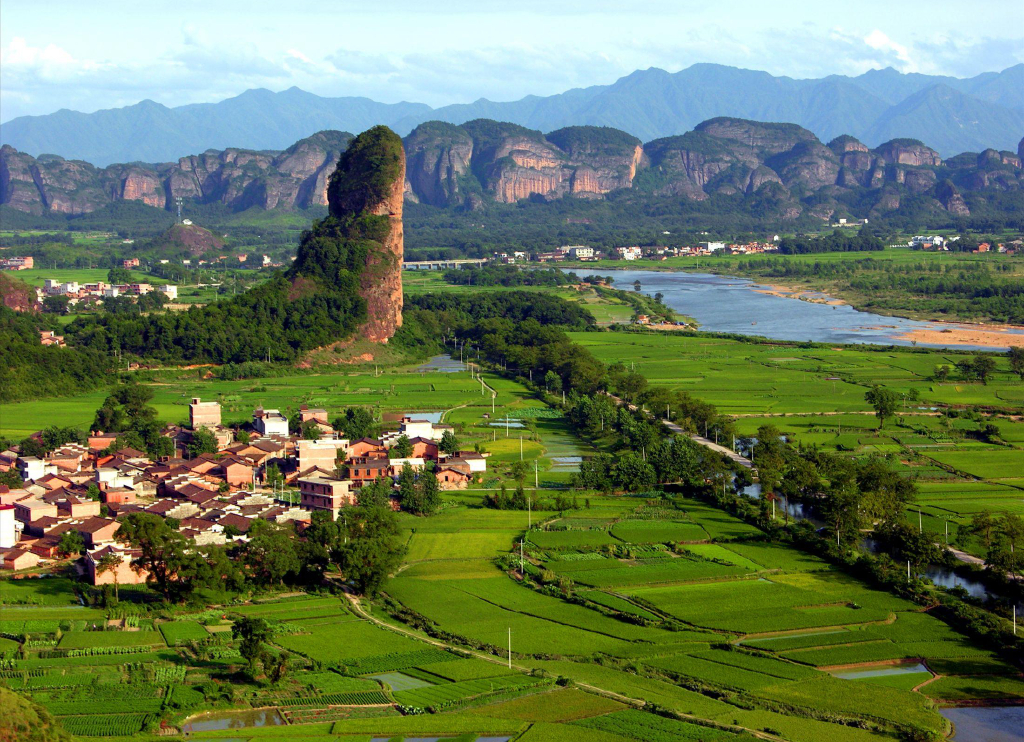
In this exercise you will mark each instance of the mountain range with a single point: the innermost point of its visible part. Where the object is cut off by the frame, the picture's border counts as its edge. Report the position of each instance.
(951, 114)
(781, 169)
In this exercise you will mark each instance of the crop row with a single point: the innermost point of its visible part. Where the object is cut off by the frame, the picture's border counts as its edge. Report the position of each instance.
(435, 695)
(105, 725)
(399, 660)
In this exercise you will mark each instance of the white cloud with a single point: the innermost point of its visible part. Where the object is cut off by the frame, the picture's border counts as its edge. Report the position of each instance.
(879, 41)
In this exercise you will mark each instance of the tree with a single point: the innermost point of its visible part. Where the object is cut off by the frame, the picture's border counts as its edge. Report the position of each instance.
(408, 495)
(634, 474)
(449, 443)
(965, 367)
(884, 401)
(941, 372)
(203, 441)
(164, 554)
(11, 478)
(242, 436)
(518, 471)
(376, 494)
(984, 366)
(430, 492)
(56, 305)
(110, 562)
(552, 382)
(356, 422)
(119, 276)
(1016, 356)
(402, 448)
(251, 633)
(270, 554)
(71, 543)
(310, 431)
(374, 549)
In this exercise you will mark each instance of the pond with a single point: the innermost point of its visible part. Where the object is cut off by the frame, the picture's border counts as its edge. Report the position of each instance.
(444, 364)
(986, 723)
(233, 720)
(737, 305)
(881, 672)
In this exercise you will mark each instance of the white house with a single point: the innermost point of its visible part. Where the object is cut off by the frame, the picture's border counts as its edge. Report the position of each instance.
(269, 422)
(169, 290)
(629, 253)
(8, 534)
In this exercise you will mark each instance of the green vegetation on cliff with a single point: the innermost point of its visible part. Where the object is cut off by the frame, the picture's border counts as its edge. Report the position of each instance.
(317, 302)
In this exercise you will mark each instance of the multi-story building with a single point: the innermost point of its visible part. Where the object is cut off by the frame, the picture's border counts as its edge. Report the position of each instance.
(203, 414)
(320, 492)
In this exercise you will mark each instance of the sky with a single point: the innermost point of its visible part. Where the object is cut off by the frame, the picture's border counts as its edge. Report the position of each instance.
(93, 54)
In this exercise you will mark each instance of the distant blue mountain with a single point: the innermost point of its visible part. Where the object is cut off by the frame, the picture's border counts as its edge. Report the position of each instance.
(951, 114)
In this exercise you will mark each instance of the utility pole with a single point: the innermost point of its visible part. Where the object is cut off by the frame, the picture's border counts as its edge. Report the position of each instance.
(920, 524)
(509, 647)
(522, 563)
(529, 512)
(536, 475)
(520, 447)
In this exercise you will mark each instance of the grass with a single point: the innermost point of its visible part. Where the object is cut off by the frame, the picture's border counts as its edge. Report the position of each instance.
(182, 632)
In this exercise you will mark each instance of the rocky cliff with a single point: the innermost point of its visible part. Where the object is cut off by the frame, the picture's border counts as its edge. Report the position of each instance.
(238, 178)
(361, 240)
(483, 161)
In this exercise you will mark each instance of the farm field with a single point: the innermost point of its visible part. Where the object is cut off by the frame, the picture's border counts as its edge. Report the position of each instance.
(708, 645)
(815, 396)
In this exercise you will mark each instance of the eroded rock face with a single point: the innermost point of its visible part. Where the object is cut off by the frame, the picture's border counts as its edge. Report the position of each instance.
(908, 152)
(382, 281)
(450, 165)
(951, 200)
(358, 248)
(238, 178)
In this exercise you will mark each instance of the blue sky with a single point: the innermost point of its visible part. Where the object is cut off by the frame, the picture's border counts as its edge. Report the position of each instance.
(87, 55)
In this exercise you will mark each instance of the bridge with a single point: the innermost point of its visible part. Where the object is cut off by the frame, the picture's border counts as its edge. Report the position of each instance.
(436, 265)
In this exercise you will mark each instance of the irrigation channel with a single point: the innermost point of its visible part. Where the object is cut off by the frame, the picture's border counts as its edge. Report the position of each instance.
(738, 305)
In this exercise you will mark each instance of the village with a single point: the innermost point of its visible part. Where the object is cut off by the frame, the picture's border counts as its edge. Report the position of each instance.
(71, 498)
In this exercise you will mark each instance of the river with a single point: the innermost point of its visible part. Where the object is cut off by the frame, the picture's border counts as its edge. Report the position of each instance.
(736, 305)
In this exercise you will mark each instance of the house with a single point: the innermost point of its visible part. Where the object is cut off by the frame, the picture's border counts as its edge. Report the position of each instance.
(629, 253)
(19, 559)
(235, 521)
(30, 467)
(30, 509)
(8, 531)
(581, 252)
(17, 263)
(123, 574)
(237, 471)
(101, 441)
(316, 414)
(424, 448)
(269, 422)
(49, 337)
(129, 263)
(452, 477)
(322, 454)
(96, 531)
(365, 448)
(169, 290)
(365, 469)
(477, 462)
(203, 414)
(325, 493)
